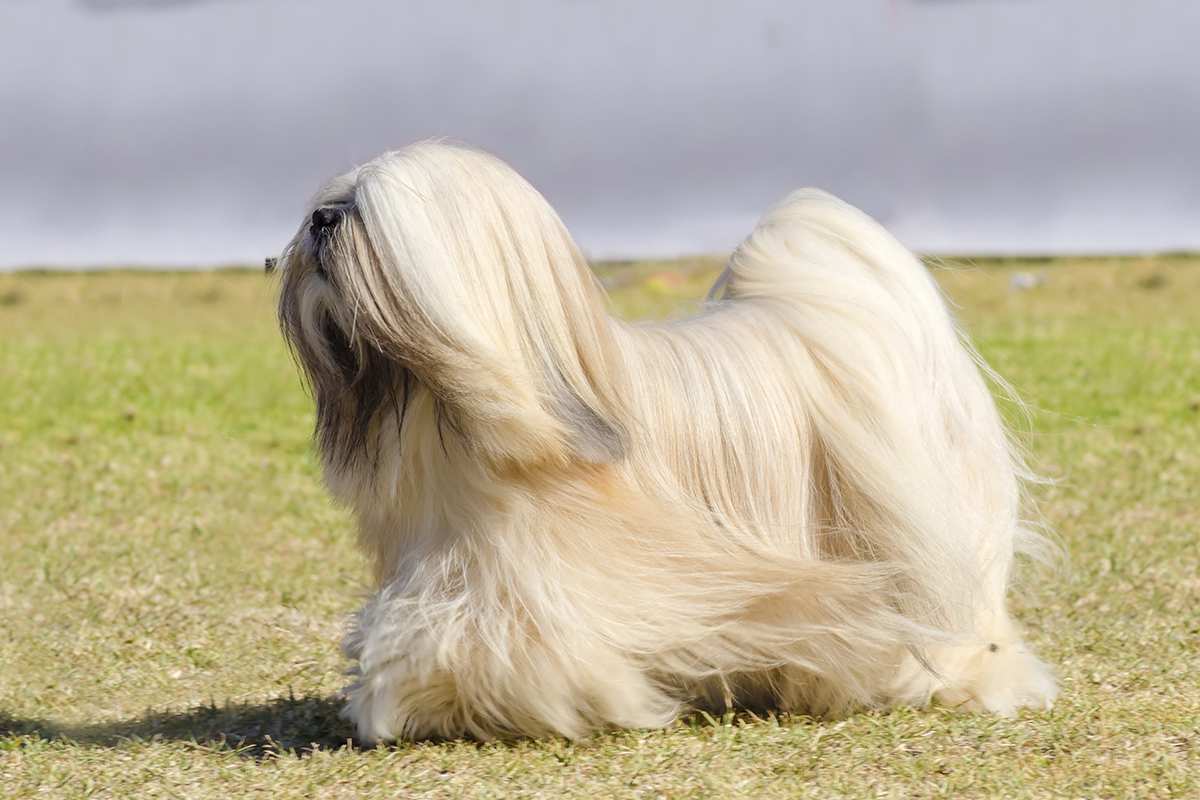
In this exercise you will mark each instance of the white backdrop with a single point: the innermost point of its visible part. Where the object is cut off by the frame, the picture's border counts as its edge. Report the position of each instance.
(176, 132)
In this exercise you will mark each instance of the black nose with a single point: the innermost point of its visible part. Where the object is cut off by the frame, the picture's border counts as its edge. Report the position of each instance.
(325, 218)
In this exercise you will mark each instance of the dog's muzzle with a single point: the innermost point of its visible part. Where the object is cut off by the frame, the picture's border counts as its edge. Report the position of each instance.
(325, 219)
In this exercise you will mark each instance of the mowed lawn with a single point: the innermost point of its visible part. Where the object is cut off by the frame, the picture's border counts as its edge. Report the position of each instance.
(173, 580)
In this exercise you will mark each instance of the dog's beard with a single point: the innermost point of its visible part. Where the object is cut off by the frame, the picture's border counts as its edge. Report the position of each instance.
(354, 384)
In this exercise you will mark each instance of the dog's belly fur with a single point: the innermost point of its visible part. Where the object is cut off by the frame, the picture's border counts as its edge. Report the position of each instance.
(813, 506)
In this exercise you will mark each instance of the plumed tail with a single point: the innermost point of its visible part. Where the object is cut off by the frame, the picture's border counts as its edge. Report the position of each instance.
(919, 467)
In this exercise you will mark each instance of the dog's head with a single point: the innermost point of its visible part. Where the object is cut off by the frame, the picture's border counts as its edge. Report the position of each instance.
(439, 269)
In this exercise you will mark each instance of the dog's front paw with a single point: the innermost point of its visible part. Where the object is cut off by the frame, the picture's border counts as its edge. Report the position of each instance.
(387, 704)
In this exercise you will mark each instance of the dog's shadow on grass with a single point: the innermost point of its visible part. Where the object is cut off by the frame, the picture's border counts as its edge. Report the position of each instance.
(284, 726)
(255, 730)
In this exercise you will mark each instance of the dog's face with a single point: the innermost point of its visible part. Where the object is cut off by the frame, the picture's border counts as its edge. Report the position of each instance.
(350, 378)
(438, 270)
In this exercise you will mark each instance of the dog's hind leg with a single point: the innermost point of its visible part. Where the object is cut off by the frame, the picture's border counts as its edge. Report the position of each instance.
(997, 673)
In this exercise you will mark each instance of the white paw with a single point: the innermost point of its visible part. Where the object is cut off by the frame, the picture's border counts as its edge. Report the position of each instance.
(1001, 679)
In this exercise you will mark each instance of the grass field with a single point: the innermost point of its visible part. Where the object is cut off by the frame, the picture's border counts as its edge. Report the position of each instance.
(173, 580)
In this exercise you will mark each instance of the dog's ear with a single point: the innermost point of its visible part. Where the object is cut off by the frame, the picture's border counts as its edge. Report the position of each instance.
(595, 437)
(509, 412)
(504, 412)
(513, 391)
(457, 268)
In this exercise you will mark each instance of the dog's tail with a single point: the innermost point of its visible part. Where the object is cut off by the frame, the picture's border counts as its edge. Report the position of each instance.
(920, 468)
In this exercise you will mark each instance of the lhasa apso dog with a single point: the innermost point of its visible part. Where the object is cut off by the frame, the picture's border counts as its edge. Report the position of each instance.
(802, 498)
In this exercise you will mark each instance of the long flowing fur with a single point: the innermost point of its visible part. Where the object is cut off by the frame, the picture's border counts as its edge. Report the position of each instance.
(802, 498)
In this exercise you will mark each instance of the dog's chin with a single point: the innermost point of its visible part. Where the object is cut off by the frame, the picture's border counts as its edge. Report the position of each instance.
(358, 387)
(341, 352)
(351, 381)
(319, 258)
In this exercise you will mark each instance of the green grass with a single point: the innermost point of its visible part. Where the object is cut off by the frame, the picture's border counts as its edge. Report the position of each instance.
(173, 580)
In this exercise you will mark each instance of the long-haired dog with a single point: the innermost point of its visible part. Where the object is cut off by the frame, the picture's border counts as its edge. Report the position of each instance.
(802, 498)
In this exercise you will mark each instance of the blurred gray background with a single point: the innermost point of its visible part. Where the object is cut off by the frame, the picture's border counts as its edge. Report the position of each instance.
(169, 132)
